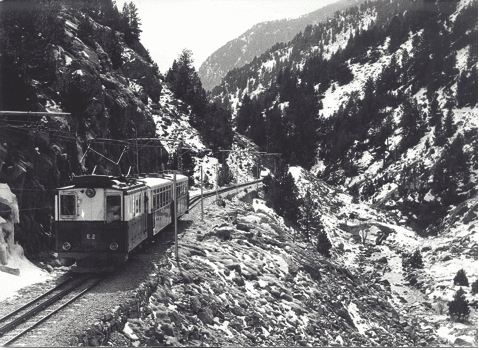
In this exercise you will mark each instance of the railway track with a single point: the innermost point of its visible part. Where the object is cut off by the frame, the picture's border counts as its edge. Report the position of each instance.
(194, 200)
(29, 316)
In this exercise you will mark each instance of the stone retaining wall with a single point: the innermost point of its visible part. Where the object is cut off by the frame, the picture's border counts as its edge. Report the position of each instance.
(137, 307)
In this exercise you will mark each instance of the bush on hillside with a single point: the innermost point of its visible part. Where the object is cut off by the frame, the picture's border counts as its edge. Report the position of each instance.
(415, 260)
(461, 279)
(459, 307)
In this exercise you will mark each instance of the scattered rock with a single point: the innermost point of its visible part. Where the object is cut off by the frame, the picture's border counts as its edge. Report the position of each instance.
(462, 342)
(206, 316)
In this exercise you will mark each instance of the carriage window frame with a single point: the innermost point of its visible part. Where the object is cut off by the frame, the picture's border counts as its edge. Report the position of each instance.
(62, 206)
(153, 203)
(107, 208)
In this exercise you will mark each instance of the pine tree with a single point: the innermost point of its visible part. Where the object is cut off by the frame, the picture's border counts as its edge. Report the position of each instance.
(309, 220)
(449, 127)
(411, 123)
(416, 260)
(459, 307)
(439, 136)
(283, 195)
(323, 245)
(435, 111)
(243, 116)
(290, 199)
(461, 279)
(129, 23)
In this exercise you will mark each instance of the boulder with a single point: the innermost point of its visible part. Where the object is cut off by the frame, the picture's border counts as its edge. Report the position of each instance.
(238, 280)
(286, 297)
(206, 316)
(462, 342)
(243, 227)
(249, 336)
(195, 304)
(233, 266)
(237, 310)
(236, 324)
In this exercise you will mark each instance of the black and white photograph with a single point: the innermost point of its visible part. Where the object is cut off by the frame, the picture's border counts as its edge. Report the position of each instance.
(238, 173)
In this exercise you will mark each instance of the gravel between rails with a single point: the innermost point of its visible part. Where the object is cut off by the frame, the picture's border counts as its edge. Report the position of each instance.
(116, 289)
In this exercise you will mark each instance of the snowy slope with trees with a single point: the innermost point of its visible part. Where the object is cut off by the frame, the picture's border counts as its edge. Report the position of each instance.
(380, 99)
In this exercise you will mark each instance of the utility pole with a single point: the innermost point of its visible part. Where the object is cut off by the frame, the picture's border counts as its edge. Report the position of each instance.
(216, 166)
(175, 220)
(201, 181)
(136, 150)
(259, 165)
(180, 160)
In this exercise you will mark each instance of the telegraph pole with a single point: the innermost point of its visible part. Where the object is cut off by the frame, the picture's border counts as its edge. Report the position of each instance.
(201, 181)
(136, 150)
(216, 166)
(174, 211)
(180, 160)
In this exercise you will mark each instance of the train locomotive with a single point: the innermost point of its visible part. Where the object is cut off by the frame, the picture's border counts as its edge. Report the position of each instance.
(100, 219)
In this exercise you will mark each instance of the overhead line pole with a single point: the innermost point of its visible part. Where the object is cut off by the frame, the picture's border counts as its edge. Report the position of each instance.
(175, 220)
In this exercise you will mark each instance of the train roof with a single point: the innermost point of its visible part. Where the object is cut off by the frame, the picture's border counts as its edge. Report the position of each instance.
(103, 181)
(155, 181)
(122, 183)
(179, 177)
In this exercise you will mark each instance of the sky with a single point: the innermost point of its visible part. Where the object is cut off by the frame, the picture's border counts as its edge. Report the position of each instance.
(203, 26)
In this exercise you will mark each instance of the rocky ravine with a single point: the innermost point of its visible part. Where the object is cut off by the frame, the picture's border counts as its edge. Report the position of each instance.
(242, 280)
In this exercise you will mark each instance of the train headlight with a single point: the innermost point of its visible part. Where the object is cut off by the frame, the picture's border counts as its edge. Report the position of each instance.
(114, 246)
(66, 246)
(90, 192)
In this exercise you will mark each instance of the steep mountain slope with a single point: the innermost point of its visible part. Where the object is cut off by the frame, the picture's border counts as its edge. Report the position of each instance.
(381, 100)
(257, 40)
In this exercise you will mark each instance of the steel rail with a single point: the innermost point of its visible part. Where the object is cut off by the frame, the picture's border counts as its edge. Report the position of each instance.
(18, 321)
(54, 311)
(194, 200)
(21, 308)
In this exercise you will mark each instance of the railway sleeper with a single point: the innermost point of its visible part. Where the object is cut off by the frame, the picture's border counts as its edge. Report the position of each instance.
(95, 265)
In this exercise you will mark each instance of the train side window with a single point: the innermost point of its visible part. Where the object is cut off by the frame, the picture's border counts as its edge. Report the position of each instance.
(113, 208)
(67, 205)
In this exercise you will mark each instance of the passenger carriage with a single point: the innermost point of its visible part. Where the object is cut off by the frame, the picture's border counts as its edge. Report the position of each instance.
(100, 219)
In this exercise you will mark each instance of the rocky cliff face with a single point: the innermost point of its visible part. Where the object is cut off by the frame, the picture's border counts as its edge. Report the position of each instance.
(106, 102)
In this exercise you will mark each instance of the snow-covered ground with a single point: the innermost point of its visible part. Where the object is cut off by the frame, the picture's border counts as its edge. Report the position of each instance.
(443, 255)
(13, 253)
(29, 275)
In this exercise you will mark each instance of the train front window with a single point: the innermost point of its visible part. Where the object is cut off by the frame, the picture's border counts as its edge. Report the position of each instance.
(68, 205)
(113, 208)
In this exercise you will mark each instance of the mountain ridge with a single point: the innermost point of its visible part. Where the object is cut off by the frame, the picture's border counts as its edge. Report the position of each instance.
(256, 40)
